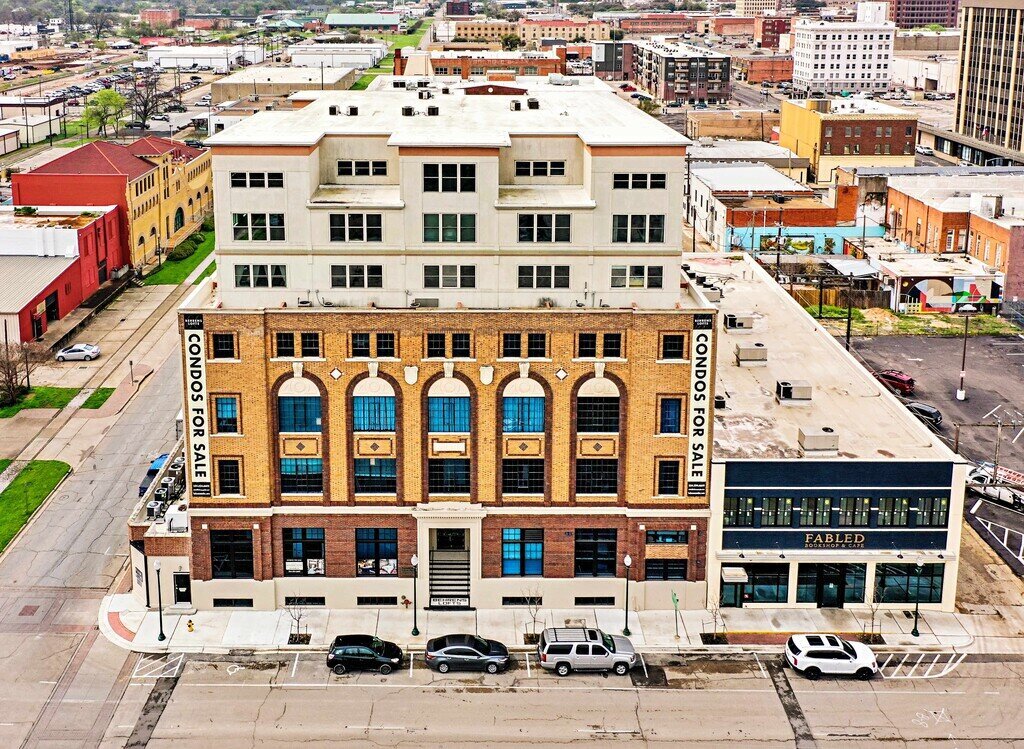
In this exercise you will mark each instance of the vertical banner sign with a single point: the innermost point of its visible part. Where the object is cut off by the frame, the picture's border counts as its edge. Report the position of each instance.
(196, 411)
(699, 414)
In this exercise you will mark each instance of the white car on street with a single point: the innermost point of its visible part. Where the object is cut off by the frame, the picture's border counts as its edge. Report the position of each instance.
(80, 351)
(817, 654)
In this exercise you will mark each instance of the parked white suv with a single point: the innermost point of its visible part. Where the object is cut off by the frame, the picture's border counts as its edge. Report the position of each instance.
(814, 655)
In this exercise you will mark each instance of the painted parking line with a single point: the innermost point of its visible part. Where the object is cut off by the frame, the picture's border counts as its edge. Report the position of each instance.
(1010, 539)
(920, 665)
(528, 675)
(644, 664)
(764, 674)
(160, 667)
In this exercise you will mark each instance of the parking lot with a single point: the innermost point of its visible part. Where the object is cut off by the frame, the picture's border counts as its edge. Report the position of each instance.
(727, 700)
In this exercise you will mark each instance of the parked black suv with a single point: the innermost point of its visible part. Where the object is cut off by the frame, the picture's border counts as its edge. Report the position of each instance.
(364, 653)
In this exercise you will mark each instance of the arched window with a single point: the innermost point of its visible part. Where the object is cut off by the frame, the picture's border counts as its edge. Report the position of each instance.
(597, 406)
(142, 241)
(522, 407)
(179, 219)
(298, 406)
(448, 406)
(373, 406)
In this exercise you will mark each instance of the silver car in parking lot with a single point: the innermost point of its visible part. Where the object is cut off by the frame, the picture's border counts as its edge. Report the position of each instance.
(79, 352)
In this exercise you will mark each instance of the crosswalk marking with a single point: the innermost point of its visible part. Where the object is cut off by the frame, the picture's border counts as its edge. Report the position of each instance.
(931, 665)
(158, 667)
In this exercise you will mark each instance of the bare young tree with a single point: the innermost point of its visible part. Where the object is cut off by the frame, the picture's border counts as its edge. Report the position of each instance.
(144, 94)
(533, 605)
(717, 621)
(17, 361)
(297, 614)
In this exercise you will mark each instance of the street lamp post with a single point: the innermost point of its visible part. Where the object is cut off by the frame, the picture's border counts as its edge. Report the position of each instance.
(918, 567)
(628, 562)
(965, 310)
(159, 602)
(415, 584)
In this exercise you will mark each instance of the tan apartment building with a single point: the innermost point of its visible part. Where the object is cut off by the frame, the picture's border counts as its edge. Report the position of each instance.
(449, 327)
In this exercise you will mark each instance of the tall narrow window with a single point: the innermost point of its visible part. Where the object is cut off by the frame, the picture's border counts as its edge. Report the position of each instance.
(522, 552)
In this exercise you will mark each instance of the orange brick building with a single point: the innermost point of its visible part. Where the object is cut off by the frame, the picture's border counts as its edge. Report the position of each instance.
(765, 68)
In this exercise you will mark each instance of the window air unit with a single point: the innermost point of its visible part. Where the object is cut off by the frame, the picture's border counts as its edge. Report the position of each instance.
(515, 105)
(425, 94)
(332, 110)
(429, 302)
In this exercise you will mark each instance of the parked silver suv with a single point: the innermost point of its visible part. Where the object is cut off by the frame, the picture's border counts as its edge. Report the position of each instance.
(567, 649)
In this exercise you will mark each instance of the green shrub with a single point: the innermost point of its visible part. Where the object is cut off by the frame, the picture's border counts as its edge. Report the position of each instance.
(208, 223)
(182, 251)
(198, 238)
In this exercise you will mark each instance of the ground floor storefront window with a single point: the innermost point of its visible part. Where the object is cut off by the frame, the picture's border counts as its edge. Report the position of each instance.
(766, 583)
(830, 585)
(901, 583)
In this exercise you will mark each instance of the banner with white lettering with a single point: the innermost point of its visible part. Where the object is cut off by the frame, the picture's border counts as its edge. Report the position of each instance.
(196, 407)
(699, 413)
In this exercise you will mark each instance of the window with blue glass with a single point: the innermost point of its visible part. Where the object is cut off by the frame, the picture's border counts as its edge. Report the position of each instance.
(448, 414)
(671, 416)
(373, 413)
(376, 552)
(302, 476)
(902, 583)
(448, 476)
(375, 476)
(299, 413)
(304, 551)
(227, 414)
(522, 414)
(522, 552)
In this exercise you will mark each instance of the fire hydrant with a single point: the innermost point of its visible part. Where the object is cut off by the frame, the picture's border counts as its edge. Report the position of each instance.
(406, 602)
(191, 626)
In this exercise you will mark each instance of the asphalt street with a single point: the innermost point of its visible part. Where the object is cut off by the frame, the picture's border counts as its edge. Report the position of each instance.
(734, 701)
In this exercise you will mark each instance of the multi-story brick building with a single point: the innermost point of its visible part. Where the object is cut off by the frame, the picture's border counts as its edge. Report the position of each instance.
(976, 214)
(756, 7)
(613, 61)
(162, 188)
(654, 24)
(916, 14)
(532, 31)
(160, 18)
(484, 30)
(834, 133)
(764, 68)
(447, 325)
(768, 30)
(673, 71)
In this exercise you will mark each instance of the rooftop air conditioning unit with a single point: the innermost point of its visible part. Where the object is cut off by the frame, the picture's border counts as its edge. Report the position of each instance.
(446, 90)
(818, 440)
(751, 355)
(408, 111)
(332, 110)
(425, 94)
(738, 322)
(793, 392)
(433, 111)
(429, 302)
(515, 105)
(712, 293)
(532, 103)
(398, 84)
(351, 111)
(422, 84)
(151, 509)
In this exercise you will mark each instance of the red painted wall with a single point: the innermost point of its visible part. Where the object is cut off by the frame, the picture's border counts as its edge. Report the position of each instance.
(33, 188)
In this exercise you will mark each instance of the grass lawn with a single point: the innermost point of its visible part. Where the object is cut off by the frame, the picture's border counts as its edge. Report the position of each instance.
(28, 490)
(363, 82)
(406, 40)
(210, 269)
(174, 272)
(387, 65)
(41, 397)
(4, 462)
(875, 322)
(98, 397)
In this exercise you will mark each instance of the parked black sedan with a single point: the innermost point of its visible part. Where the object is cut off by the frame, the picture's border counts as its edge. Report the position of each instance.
(466, 653)
(364, 653)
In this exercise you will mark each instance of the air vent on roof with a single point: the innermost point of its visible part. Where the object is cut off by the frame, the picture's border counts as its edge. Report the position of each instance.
(738, 322)
(446, 90)
(408, 111)
(515, 105)
(332, 110)
(532, 103)
(425, 94)
(422, 84)
(818, 441)
(351, 111)
(433, 111)
(398, 84)
(751, 355)
(720, 401)
(793, 392)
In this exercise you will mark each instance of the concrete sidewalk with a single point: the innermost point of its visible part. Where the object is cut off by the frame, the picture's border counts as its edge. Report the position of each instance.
(126, 623)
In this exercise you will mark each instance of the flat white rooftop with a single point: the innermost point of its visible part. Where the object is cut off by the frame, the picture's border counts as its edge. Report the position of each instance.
(870, 422)
(741, 178)
(892, 258)
(852, 106)
(953, 196)
(596, 115)
(747, 150)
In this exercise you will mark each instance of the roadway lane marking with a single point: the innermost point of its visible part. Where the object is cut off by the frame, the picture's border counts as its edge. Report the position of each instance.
(764, 674)
(295, 665)
(974, 510)
(478, 687)
(412, 659)
(644, 664)
(528, 666)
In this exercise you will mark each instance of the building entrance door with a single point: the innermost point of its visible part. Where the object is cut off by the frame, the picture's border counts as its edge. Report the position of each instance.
(182, 587)
(449, 571)
(52, 307)
(450, 539)
(831, 584)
